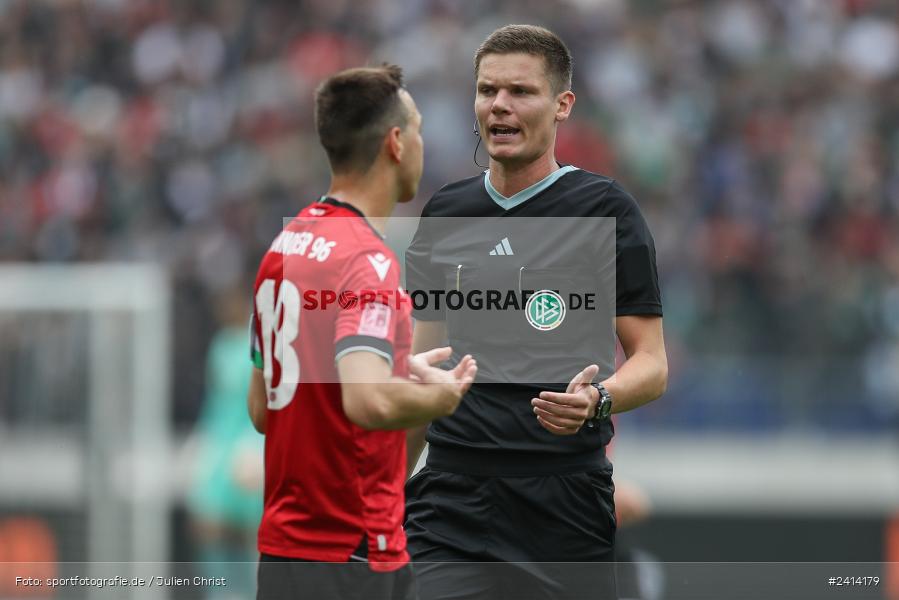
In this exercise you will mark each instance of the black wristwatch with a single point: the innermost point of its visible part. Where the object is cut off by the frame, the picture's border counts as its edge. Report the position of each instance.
(603, 407)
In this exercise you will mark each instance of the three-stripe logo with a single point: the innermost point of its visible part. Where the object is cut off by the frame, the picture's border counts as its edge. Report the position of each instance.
(502, 249)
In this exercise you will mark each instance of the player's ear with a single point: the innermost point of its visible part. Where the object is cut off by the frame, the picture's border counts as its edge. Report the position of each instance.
(394, 145)
(565, 102)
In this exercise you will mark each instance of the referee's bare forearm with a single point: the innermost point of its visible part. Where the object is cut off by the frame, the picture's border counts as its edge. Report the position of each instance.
(644, 375)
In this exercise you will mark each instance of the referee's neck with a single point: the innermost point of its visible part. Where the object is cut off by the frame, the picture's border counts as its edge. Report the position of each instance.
(510, 178)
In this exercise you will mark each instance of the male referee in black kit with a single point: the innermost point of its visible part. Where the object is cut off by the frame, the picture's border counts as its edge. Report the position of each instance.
(519, 474)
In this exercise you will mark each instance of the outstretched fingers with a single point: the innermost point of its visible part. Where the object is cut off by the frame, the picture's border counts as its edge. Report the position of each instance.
(465, 372)
(435, 356)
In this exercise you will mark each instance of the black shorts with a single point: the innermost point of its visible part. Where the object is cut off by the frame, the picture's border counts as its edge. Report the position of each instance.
(527, 537)
(293, 579)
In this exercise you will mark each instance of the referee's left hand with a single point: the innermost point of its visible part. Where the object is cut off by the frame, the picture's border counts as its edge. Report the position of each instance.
(565, 413)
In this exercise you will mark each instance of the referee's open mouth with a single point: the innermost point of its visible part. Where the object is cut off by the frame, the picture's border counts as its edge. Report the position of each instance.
(502, 132)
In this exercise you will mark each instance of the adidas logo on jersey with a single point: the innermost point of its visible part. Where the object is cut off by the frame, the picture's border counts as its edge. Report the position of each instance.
(380, 263)
(502, 249)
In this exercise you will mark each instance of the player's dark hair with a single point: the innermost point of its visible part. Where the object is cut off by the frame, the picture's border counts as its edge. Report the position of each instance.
(354, 110)
(531, 39)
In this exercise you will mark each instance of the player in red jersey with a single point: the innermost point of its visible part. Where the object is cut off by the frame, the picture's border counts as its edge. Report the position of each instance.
(331, 385)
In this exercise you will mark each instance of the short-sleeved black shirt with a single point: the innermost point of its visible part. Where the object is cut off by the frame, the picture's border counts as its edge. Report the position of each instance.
(499, 416)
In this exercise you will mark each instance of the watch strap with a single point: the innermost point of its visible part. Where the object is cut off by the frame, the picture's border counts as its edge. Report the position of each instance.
(603, 405)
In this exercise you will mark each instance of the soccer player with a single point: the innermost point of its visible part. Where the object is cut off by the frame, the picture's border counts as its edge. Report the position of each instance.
(331, 386)
(519, 473)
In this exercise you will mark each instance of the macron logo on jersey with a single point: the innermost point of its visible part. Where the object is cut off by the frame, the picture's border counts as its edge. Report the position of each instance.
(504, 248)
(380, 263)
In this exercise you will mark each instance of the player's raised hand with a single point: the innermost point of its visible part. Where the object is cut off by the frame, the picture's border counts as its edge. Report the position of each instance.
(565, 413)
(422, 367)
(465, 373)
(456, 381)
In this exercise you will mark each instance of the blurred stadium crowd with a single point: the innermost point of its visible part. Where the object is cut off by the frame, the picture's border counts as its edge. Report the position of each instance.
(761, 139)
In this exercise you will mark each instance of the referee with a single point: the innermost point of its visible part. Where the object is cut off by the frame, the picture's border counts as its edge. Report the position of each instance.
(516, 499)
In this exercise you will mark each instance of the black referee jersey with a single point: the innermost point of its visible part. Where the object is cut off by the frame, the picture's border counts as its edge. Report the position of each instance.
(470, 239)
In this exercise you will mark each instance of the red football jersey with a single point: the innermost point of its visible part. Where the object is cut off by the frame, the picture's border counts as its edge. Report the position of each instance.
(328, 482)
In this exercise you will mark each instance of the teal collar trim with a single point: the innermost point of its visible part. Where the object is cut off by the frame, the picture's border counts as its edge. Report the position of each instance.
(527, 193)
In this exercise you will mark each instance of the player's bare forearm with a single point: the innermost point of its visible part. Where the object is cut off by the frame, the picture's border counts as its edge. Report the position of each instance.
(435, 393)
(406, 404)
(644, 375)
(373, 399)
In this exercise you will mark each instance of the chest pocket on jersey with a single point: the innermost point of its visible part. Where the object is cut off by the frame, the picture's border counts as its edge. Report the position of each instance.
(478, 310)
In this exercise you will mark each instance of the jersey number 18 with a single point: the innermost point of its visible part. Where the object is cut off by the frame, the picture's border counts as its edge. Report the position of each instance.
(279, 319)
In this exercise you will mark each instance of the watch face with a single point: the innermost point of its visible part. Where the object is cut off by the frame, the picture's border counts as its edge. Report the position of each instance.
(605, 409)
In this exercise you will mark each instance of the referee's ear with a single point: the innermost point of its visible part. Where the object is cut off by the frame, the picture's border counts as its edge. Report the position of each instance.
(564, 104)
